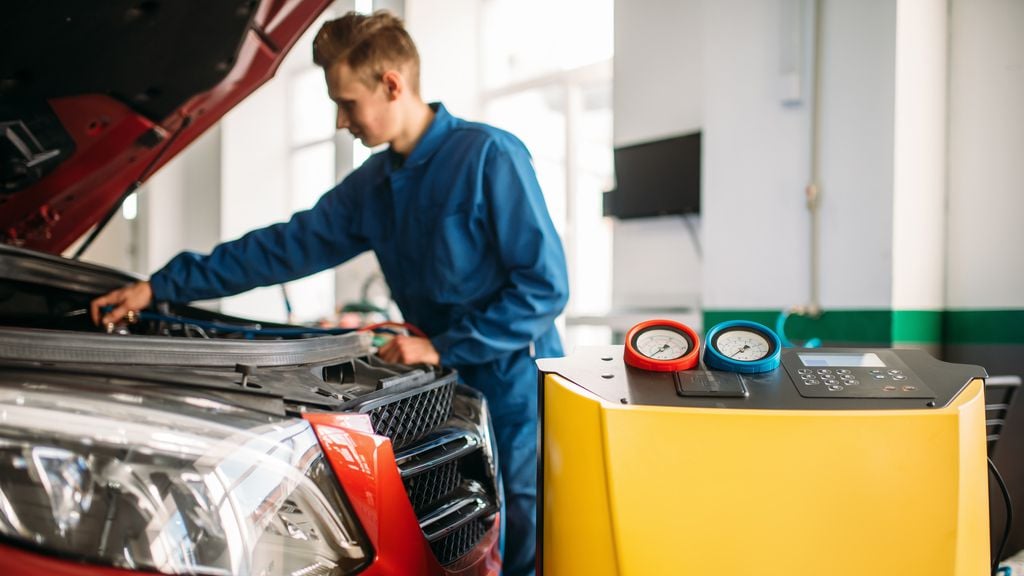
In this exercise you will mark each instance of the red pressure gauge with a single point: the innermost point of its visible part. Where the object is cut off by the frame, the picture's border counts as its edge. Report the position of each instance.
(662, 346)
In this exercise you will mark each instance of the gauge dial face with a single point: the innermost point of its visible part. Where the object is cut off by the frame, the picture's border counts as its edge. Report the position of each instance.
(742, 344)
(662, 344)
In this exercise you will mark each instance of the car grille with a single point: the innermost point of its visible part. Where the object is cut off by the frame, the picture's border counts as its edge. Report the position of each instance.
(409, 418)
(404, 405)
(428, 487)
(455, 545)
(445, 478)
(440, 433)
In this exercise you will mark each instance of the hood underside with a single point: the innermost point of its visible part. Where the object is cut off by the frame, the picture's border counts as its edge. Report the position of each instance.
(96, 96)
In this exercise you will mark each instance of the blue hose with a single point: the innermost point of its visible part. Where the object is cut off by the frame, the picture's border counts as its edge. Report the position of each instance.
(780, 329)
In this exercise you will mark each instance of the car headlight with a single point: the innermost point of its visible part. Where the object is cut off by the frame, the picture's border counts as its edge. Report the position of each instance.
(173, 482)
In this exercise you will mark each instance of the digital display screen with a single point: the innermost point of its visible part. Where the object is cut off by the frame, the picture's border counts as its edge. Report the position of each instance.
(869, 360)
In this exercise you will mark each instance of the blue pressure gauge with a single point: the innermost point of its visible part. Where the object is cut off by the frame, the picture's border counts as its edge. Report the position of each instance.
(742, 346)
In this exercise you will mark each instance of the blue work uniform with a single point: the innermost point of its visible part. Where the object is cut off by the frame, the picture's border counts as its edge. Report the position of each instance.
(469, 251)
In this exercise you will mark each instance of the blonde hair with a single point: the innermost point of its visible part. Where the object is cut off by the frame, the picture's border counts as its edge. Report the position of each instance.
(369, 45)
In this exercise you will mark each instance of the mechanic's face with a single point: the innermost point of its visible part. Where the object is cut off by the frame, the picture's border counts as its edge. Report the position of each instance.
(365, 111)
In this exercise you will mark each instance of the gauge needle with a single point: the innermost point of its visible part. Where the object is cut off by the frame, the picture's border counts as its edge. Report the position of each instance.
(741, 350)
(659, 350)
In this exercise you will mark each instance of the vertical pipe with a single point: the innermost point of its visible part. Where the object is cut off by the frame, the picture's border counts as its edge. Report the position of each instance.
(813, 188)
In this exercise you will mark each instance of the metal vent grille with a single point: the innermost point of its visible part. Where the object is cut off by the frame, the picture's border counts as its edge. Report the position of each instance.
(430, 486)
(408, 419)
(455, 545)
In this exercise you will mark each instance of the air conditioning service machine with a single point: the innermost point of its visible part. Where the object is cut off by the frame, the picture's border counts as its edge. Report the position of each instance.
(749, 459)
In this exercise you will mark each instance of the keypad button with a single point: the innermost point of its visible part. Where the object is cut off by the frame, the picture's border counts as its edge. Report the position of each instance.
(889, 388)
(835, 388)
(909, 388)
(876, 371)
(879, 376)
(842, 371)
(853, 382)
(805, 371)
(894, 372)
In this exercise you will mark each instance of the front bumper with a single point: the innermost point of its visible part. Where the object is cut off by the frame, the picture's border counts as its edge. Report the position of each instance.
(430, 508)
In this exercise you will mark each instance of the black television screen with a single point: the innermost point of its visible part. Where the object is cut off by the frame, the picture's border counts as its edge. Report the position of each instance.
(654, 178)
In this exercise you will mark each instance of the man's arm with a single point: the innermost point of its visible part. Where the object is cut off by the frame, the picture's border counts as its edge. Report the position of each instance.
(537, 288)
(313, 240)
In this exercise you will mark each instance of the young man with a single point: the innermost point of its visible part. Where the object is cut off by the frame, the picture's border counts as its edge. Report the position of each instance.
(456, 217)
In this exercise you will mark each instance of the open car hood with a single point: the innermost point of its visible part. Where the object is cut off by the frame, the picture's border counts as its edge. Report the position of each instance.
(96, 96)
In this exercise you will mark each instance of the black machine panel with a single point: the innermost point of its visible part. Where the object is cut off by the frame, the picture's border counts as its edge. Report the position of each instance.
(710, 383)
(867, 374)
(886, 379)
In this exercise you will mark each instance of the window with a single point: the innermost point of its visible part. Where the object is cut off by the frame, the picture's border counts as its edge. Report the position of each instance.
(285, 133)
(509, 58)
(311, 172)
(554, 93)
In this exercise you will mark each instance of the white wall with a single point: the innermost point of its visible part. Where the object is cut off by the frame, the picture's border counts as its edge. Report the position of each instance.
(446, 35)
(658, 91)
(179, 208)
(922, 135)
(656, 265)
(114, 246)
(757, 147)
(858, 87)
(718, 66)
(658, 68)
(254, 185)
(755, 163)
(986, 151)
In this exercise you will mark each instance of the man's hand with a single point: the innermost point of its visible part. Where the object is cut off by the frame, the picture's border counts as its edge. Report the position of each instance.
(409, 350)
(131, 298)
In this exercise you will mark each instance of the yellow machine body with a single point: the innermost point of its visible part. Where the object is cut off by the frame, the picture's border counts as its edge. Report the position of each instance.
(639, 490)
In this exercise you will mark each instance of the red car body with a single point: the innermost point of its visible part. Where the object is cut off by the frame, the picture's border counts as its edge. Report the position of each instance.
(116, 144)
(365, 465)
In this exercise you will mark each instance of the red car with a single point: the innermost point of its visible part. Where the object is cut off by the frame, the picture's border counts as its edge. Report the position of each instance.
(189, 442)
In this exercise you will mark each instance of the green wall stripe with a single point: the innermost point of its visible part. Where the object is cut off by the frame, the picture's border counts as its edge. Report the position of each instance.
(888, 327)
(984, 326)
(917, 326)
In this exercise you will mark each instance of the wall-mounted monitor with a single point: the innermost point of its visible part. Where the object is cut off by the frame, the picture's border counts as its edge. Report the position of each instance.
(656, 178)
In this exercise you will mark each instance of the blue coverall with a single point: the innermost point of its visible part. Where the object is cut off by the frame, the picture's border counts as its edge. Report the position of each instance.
(468, 248)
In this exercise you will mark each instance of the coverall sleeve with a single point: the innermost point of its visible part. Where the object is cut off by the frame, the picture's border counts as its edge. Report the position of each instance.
(311, 241)
(537, 287)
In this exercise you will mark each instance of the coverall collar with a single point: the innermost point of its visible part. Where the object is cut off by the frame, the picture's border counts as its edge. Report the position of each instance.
(432, 138)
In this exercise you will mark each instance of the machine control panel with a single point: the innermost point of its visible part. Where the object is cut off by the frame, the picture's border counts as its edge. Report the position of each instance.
(806, 379)
(868, 374)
